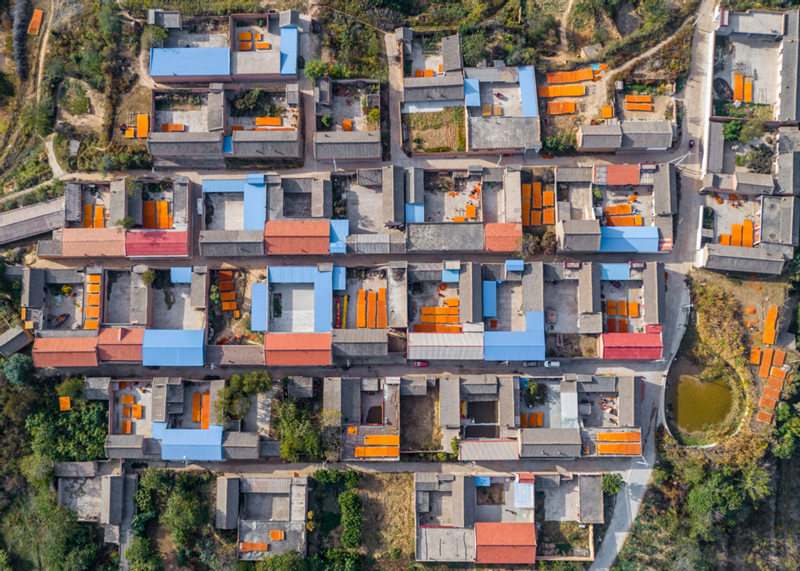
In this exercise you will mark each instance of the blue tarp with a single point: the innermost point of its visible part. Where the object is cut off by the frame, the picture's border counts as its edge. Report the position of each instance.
(340, 230)
(483, 481)
(190, 444)
(191, 61)
(339, 278)
(472, 92)
(255, 205)
(450, 276)
(515, 265)
(289, 50)
(173, 348)
(227, 145)
(628, 239)
(292, 274)
(224, 185)
(180, 275)
(323, 302)
(259, 296)
(618, 272)
(527, 92)
(516, 345)
(415, 213)
(490, 298)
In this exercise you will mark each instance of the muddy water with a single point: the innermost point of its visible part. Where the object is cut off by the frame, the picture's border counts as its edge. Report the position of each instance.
(695, 403)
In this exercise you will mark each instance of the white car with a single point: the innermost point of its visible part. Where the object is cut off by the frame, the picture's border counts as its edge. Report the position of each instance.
(199, 206)
(552, 364)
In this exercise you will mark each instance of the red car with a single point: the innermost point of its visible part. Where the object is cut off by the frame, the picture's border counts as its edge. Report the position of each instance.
(420, 363)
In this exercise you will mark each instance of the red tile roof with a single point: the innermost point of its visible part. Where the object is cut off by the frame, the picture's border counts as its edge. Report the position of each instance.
(304, 237)
(120, 344)
(157, 243)
(65, 352)
(290, 349)
(502, 237)
(93, 242)
(631, 346)
(618, 175)
(505, 543)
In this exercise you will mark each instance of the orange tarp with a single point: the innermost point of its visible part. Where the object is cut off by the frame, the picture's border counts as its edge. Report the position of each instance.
(452, 329)
(64, 403)
(276, 534)
(361, 309)
(725, 239)
(245, 36)
(755, 356)
(36, 22)
(251, 546)
(127, 399)
(778, 373)
(633, 309)
(561, 91)
(639, 106)
(245, 46)
(736, 235)
(627, 448)
(747, 234)
(767, 402)
(94, 288)
(438, 310)
(382, 440)
(90, 324)
(93, 312)
(136, 411)
(619, 437)
(99, 217)
(775, 383)
(769, 336)
(382, 317)
(162, 209)
(548, 216)
(372, 309)
(526, 191)
(347, 125)
(523, 420)
(149, 214)
(126, 411)
(196, 407)
(620, 221)
(439, 318)
(142, 125)
(526, 212)
(226, 286)
(262, 45)
(451, 301)
(611, 325)
(738, 87)
(536, 218)
(622, 309)
(606, 112)
(748, 89)
(472, 211)
(94, 279)
(268, 121)
(618, 210)
(560, 107)
(205, 413)
(772, 393)
(228, 296)
(376, 451)
(87, 215)
(228, 306)
(549, 198)
(764, 417)
(93, 299)
(611, 307)
(537, 195)
(766, 361)
(623, 326)
(777, 360)
(638, 98)
(570, 76)
(126, 427)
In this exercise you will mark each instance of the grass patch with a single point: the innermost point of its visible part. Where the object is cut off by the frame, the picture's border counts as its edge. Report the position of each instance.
(442, 131)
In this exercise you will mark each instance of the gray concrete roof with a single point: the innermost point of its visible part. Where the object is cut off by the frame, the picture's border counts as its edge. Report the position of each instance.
(13, 340)
(470, 293)
(111, 499)
(451, 237)
(626, 390)
(533, 287)
(393, 194)
(780, 220)
(716, 147)
(589, 288)
(757, 22)
(343, 395)
(198, 291)
(227, 512)
(215, 110)
(580, 235)
(31, 220)
(403, 34)
(73, 201)
(574, 174)
(451, 53)
(231, 243)
(600, 136)
(354, 343)
(646, 134)
(591, 498)
(653, 293)
(344, 145)
(504, 132)
(415, 185)
(33, 284)
(445, 544)
(754, 183)
(508, 400)
(302, 387)
(96, 388)
(790, 102)
(164, 18)
(448, 87)
(124, 446)
(184, 144)
(449, 401)
(240, 445)
(665, 191)
(464, 501)
(550, 443)
(275, 144)
(788, 175)
(739, 259)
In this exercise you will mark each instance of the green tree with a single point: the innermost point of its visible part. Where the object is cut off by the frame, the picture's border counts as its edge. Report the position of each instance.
(297, 434)
(154, 37)
(327, 121)
(256, 382)
(374, 116)
(127, 223)
(149, 277)
(38, 471)
(108, 19)
(18, 369)
(753, 129)
(731, 130)
(350, 504)
(77, 435)
(473, 48)
(185, 513)
(5, 564)
(612, 484)
(72, 388)
(289, 561)
(338, 71)
(143, 556)
(315, 68)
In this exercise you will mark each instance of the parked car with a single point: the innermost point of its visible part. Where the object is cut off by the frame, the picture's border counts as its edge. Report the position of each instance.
(420, 363)
(531, 363)
(552, 364)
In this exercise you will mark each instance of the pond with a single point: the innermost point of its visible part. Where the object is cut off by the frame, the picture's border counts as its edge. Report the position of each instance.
(694, 403)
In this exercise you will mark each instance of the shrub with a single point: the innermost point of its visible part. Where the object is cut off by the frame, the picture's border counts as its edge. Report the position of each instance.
(154, 37)
(374, 116)
(72, 388)
(731, 130)
(18, 369)
(351, 479)
(612, 484)
(315, 68)
(185, 513)
(143, 556)
(350, 504)
(289, 561)
(148, 277)
(297, 434)
(127, 223)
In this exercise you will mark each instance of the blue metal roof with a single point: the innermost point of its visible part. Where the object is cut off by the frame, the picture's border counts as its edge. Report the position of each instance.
(527, 92)
(191, 444)
(292, 274)
(525, 345)
(490, 298)
(259, 297)
(415, 213)
(255, 205)
(339, 278)
(615, 272)
(628, 239)
(191, 61)
(483, 481)
(289, 50)
(173, 348)
(450, 276)
(534, 321)
(323, 302)
(180, 275)
(227, 145)
(224, 185)
(472, 92)
(340, 230)
(515, 265)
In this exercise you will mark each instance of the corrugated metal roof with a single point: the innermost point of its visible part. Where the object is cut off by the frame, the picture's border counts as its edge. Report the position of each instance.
(168, 62)
(450, 276)
(569, 409)
(472, 92)
(415, 213)
(523, 495)
(515, 265)
(173, 348)
(289, 50)
(629, 239)
(528, 95)
(31, 220)
(488, 450)
(180, 275)
(259, 294)
(255, 205)
(191, 444)
(323, 301)
(615, 272)
(292, 274)
(490, 298)
(339, 278)
(631, 346)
